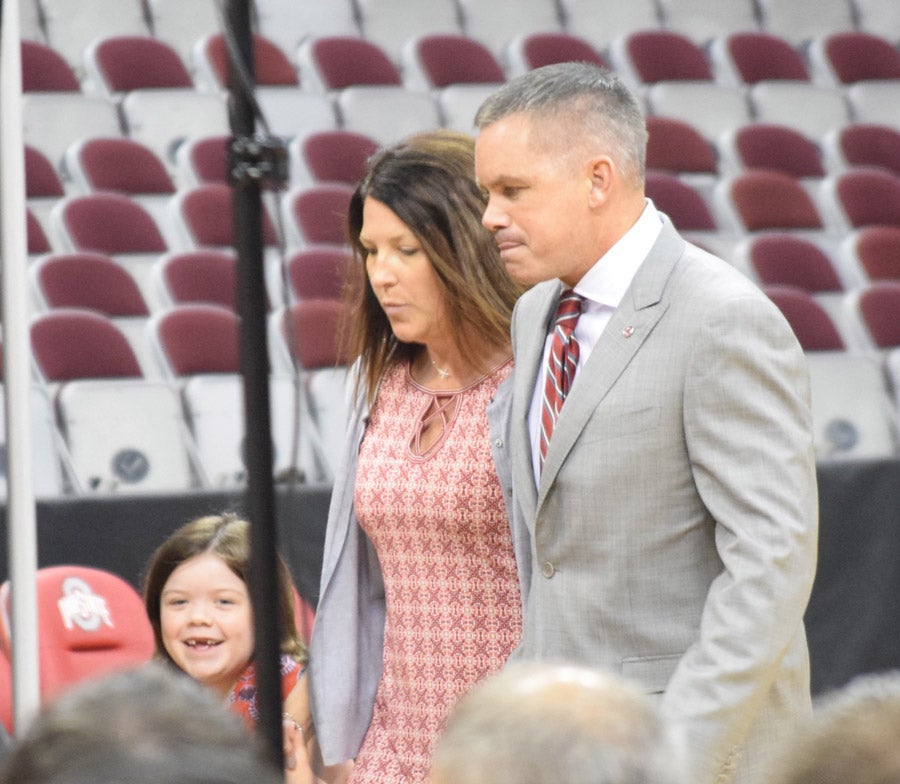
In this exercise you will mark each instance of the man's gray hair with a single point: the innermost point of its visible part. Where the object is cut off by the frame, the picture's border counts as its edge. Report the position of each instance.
(576, 99)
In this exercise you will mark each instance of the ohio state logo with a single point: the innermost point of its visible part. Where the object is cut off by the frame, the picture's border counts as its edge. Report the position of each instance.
(80, 606)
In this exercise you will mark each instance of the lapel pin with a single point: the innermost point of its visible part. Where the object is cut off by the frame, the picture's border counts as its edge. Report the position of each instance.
(628, 331)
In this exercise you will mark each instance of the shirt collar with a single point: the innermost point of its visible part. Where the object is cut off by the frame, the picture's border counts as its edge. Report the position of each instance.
(607, 281)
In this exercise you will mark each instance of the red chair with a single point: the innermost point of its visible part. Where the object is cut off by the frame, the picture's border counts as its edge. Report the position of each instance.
(42, 181)
(197, 338)
(120, 165)
(527, 52)
(775, 147)
(678, 147)
(122, 63)
(867, 145)
(46, 70)
(651, 56)
(854, 56)
(763, 200)
(318, 213)
(88, 280)
(90, 622)
(204, 214)
(75, 343)
(271, 66)
(337, 155)
(110, 223)
(866, 197)
(813, 326)
(878, 305)
(334, 62)
(206, 275)
(752, 57)
(876, 250)
(789, 260)
(680, 201)
(443, 59)
(318, 272)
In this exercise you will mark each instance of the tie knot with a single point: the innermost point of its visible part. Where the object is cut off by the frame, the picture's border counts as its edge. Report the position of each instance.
(569, 306)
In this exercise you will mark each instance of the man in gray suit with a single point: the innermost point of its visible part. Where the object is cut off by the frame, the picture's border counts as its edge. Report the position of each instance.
(666, 524)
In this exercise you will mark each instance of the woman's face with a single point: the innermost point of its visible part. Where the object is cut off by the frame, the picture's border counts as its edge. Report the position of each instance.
(402, 276)
(206, 621)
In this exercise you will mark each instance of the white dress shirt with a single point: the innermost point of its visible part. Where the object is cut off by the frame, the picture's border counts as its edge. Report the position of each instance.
(602, 288)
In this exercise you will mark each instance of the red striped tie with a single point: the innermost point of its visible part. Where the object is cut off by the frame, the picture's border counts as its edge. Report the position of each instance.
(561, 365)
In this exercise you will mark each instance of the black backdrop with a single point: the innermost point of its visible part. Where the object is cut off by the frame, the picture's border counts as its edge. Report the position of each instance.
(853, 620)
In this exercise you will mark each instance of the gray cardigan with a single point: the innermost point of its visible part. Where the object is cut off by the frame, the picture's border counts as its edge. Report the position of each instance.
(345, 654)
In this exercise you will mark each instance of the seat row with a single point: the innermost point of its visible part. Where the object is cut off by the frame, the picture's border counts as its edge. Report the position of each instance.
(71, 27)
(155, 404)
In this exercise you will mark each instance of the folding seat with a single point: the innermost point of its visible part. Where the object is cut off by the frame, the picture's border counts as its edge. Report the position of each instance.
(752, 56)
(533, 50)
(205, 275)
(285, 108)
(847, 57)
(37, 241)
(114, 224)
(711, 108)
(126, 166)
(602, 21)
(318, 272)
(777, 102)
(335, 62)
(862, 144)
(495, 23)
(338, 155)
(779, 259)
(43, 185)
(200, 345)
(862, 197)
(289, 23)
(96, 282)
(678, 147)
(432, 62)
(163, 119)
(703, 21)
(764, 200)
(773, 147)
(271, 66)
(851, 421)
(874, 252)
(203, 159)
(204, 217)
(54, 110)
(367, 88)
(799, 23)
(125, 434)
(811, 265)
(90, 622)
(71, 27)
(108, 223)
(814, 327)
(689, 212)
(45, 70)
(876, 307)
(304, 340)
(317, 214)
(181, 22)
(390, 23)
(645, 57)
(121, 63)
(50, 477)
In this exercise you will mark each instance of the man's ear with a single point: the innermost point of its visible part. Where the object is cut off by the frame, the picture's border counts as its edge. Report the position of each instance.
(600, 179)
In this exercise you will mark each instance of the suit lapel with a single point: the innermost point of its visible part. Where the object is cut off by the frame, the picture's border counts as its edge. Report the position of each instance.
(536, 307)
(630, 325)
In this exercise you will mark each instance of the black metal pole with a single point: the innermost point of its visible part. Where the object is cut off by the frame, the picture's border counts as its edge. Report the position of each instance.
(248, 232)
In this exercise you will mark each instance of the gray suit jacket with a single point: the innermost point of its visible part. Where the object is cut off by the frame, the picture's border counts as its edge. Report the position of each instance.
(673, 533)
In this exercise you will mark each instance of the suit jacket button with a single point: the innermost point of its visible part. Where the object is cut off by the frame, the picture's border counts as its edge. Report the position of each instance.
(548, 569)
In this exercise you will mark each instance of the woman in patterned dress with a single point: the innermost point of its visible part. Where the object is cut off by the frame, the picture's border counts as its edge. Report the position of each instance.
(420, 597)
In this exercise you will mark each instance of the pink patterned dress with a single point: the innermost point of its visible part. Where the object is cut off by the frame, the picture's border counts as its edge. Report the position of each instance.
(438, 522)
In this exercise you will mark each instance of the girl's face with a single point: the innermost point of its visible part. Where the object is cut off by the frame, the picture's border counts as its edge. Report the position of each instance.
(207, 621)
